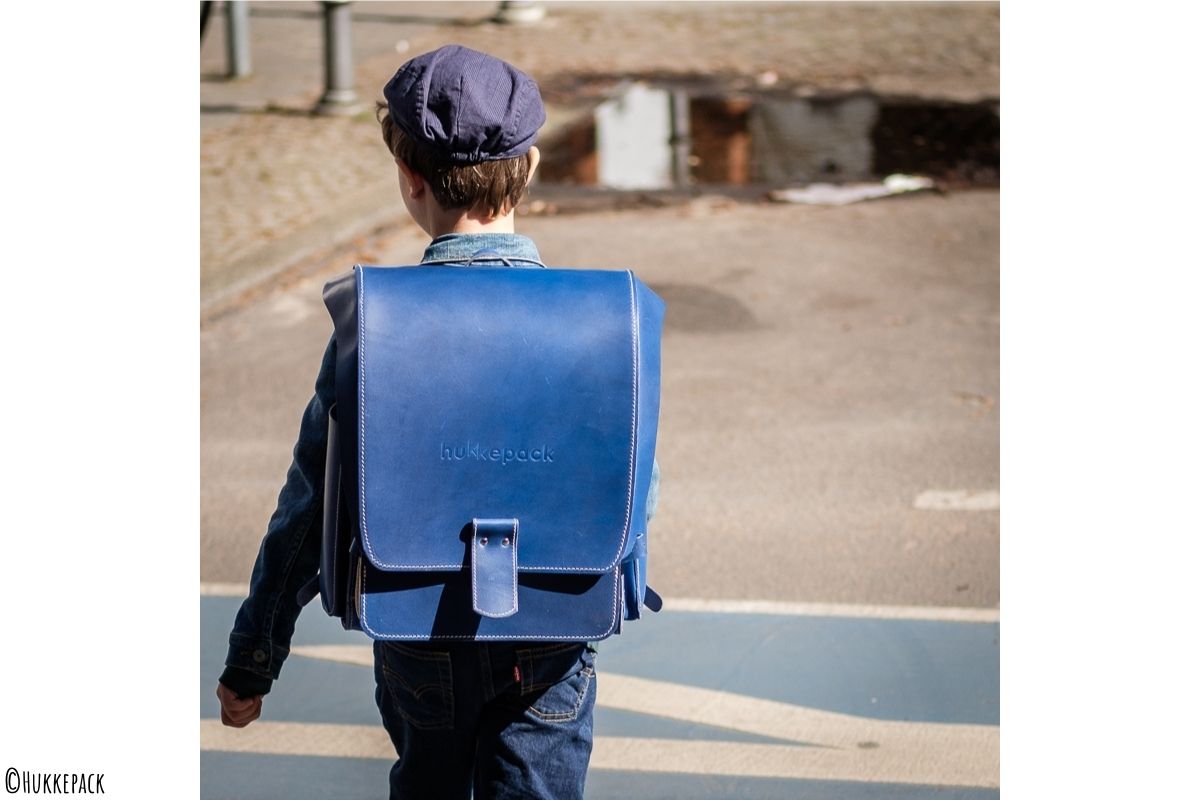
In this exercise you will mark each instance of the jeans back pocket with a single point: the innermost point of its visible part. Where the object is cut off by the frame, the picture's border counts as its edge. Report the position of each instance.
(420, 684)
(557, 680)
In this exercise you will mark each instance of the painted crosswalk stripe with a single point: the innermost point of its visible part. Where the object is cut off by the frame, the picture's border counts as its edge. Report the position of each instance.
(852, 610)
(223, 589)
(627, 754)
(958, 500)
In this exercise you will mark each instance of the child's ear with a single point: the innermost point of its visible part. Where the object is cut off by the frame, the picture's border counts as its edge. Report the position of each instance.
(535, 158)
(416, 184)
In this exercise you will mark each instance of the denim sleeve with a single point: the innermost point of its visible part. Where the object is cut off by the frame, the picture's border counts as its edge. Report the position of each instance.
(290, 553)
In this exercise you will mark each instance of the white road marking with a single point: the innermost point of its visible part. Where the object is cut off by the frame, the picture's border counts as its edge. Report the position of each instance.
(333, 740)
(958, 500)
(694, 604)
(360, 655)
(860, 748)
(629, 754)
(223, 589)
(934, 613)
(873, 765)
(848, 747)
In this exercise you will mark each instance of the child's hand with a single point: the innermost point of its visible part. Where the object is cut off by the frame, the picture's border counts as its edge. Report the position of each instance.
(238, 712)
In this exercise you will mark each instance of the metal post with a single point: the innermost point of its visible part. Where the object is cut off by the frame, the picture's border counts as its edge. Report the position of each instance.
(681, 138)
(520, 12)
(340, 97)
(237, 37)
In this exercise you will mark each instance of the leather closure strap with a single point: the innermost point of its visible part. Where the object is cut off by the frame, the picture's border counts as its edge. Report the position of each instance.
(494, 567)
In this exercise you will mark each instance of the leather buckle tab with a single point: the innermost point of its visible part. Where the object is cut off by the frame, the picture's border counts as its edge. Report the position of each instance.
(494, 567)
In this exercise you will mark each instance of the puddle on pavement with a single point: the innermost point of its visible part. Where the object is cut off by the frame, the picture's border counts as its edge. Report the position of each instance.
(655, 137)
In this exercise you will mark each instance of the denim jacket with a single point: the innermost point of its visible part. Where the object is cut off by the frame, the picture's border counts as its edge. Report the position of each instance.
(289, 555)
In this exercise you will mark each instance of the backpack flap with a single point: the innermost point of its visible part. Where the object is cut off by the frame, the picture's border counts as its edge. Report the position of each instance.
(497, 394)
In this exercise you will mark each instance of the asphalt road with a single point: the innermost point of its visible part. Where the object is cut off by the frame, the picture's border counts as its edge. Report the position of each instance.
(823, 368)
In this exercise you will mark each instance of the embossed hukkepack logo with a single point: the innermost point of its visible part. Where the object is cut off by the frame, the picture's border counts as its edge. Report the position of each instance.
(474, 451)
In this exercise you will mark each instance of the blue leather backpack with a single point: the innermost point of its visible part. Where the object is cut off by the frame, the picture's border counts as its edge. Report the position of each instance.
(490, 452)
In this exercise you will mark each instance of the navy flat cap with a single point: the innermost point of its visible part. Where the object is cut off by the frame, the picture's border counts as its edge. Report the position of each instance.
(466, 105)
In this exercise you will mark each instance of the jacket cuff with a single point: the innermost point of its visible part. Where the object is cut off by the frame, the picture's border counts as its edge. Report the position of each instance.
(256, 655)
(244, 683)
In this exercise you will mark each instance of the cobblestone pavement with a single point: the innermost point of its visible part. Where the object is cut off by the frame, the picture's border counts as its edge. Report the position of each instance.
(263, 183)
(278, 185)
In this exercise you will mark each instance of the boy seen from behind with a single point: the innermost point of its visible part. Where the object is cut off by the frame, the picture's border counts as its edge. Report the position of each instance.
(461, 126)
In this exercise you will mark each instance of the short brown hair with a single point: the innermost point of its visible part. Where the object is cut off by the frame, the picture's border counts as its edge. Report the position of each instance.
(495, 185)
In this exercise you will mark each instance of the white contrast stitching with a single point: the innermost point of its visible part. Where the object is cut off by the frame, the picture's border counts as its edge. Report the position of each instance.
(633, 324)
(473, 545)
(516, 530)
(362, 407)
(637, 585)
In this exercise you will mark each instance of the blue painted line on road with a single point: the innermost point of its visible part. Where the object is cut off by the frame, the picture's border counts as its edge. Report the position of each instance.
(883, 669)
(258, 777)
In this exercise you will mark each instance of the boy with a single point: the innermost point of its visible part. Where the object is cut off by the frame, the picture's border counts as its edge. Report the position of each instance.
(461, 126)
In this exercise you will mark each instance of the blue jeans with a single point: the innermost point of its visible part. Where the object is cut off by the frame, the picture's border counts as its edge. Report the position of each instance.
(510, 719)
